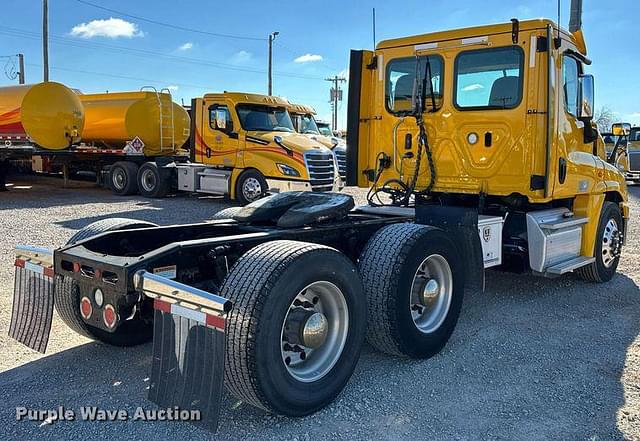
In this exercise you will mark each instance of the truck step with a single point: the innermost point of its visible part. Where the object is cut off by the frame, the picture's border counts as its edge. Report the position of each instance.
(570, 265)
(564, 223)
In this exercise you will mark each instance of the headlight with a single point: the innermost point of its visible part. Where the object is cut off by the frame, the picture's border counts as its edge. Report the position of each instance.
(287, 170)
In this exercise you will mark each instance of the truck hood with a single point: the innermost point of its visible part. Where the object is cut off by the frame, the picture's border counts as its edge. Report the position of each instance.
(294, 141)
(327, 141)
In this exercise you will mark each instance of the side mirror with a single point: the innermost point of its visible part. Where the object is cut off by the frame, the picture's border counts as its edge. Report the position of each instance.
(585, 97)
(621, 129)
(221, 119)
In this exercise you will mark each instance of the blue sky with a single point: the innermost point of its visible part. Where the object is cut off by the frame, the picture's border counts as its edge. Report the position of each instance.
(95, 50)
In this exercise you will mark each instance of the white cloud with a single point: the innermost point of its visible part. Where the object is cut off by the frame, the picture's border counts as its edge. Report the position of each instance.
(307, 58)
(172, 88)
(185, 47)
(472, 87)
(111, 28)
(635, 115)
(241, 57)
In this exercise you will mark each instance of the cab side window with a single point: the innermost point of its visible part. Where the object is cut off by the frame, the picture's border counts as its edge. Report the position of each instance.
(570, 75)
(220, 118)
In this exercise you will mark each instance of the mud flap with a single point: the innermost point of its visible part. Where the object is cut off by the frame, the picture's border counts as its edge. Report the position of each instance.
(462, 225)
(187, 367)
(32, 297)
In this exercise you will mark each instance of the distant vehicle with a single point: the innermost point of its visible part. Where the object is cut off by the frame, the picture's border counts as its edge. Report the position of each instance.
(324, 128)
(304, 121)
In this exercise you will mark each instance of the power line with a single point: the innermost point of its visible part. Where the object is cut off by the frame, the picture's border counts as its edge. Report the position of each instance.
(169, 25)
(197, 31)
(60, 40)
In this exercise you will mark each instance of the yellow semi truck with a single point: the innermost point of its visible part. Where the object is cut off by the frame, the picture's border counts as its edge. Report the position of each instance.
(304, 121)
(478, 150)
(245, 145)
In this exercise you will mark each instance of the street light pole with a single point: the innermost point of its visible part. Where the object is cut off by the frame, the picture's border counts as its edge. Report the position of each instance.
(45, 39)
(272, 36)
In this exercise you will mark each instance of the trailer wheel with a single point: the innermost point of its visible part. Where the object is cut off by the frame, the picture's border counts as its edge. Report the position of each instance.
(151, 182)
(413, 282)
(298, 323)
(226, 213)
(123, 178)
(67, 294)
(250, 186)
(608, 246)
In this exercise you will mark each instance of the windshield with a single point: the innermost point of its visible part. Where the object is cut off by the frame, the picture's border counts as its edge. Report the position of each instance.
(324, 129)
(264, 118)
(308, 125)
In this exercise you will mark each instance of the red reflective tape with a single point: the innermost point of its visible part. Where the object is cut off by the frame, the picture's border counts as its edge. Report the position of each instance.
(162, 306)
(216, 321)
(20, 263)
(48, 272)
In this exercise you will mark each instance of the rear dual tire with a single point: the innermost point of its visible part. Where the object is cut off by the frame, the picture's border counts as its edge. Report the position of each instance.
(412, 276)
(264, 365)
(123, 178)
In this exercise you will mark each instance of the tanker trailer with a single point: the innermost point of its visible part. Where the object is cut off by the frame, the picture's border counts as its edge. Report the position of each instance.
(49, 115)
(148, 122)
(34, 117)
(134, 138)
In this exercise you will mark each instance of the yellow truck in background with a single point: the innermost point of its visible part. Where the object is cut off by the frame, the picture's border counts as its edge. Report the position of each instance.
(245, 145)
(304, 121)
(623, 150)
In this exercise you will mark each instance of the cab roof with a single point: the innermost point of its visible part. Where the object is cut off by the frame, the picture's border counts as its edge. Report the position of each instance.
(251, 98)
(301, 109)
(476, 31)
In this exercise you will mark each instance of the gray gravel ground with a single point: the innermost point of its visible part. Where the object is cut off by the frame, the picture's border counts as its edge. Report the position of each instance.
(531, 358)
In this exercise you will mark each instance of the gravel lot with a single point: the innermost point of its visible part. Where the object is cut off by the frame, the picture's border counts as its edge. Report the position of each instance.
(531, 358)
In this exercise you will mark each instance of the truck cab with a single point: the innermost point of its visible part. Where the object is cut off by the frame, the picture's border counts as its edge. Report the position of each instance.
(305, 123)
(498, 118)
(633, 150)
(245, 145)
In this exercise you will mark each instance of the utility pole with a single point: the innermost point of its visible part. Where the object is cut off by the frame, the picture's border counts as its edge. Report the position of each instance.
(21, 67)
(272, 36)
(335, 96)
(45, 39)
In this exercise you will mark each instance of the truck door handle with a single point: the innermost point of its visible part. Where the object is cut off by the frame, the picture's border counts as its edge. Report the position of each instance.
(562, 170)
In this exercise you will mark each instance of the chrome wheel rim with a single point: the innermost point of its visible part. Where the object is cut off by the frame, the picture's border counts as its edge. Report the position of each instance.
(119, 179)
(148, 180)
(251, 189)
(314, 331)
(431, 293)
(610, 243)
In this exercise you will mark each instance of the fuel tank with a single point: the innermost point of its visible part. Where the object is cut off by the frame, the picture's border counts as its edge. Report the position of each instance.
(50, 114)
(114, 119)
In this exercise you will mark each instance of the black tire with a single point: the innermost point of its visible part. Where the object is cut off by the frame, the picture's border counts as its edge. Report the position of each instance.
(67, 294)
(226, 213)
(388, 265)
(123, 177)
(597, 271)
(152, 183)
(250, 176)
(262, 284)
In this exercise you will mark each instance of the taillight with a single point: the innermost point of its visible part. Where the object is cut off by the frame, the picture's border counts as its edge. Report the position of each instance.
(109, 316)
(85, 308)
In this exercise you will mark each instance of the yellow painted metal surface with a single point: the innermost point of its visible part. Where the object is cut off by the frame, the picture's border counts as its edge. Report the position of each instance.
(493, 151)
(248, 149)
(302, 110)
(114, 119)
(50, 114)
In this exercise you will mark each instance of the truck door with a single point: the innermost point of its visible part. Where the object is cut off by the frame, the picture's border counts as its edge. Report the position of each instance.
(576, 166)
(220, 143)
(361, 117)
